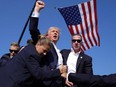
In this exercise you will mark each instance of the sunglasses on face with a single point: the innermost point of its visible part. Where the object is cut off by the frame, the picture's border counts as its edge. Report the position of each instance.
(15, 51)
(74, 40)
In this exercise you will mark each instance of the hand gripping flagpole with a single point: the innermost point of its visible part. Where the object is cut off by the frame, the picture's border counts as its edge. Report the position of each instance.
(26, 24)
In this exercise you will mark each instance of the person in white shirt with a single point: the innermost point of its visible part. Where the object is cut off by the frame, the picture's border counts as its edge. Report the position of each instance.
(76, 60)
(53, 58)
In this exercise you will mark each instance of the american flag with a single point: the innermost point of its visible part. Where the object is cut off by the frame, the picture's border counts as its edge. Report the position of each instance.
(82, 19)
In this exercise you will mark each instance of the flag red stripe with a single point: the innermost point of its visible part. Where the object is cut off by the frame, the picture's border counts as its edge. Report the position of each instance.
(96, 21)
(77, 29)
(86, 25)
(83, 48)
(91, 24)
(71, 30)
(83, 35)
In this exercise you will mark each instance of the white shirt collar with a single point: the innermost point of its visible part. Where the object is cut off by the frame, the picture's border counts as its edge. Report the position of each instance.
(74, 52)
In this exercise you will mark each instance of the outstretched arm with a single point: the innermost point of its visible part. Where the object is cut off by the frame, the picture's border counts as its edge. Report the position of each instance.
(93, 80)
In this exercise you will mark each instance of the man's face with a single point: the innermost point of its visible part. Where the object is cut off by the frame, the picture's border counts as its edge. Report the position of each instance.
(53, 34)
(13, 50)
(76, 43)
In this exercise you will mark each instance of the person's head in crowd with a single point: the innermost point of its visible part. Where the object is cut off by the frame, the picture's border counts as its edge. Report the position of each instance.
(43, 45)
(14, 49)
(29, 41)
(76, 42)
(53, 34)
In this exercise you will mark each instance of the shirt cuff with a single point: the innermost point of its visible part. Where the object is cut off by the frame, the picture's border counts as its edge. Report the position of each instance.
(67, 76)
(36, 15)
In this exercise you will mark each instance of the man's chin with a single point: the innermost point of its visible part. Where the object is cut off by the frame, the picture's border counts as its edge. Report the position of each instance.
(55, 40)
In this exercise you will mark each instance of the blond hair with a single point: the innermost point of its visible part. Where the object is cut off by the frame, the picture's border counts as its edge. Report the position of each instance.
(44, 41)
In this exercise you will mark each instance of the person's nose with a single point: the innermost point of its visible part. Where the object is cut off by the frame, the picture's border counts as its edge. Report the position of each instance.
(13, 52)
(55, 32)
(76, 42)
(44, 53)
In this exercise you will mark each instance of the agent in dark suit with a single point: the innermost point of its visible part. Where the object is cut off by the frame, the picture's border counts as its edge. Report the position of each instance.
(93, 80)
(77, 61)
(24, 70)
(14, 49)
(54, 57)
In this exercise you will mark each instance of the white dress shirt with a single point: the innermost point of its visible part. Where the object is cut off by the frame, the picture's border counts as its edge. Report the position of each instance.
(60, 59)
(72, 61)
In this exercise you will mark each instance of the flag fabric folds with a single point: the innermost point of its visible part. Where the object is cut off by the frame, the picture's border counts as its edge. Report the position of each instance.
(82, 19)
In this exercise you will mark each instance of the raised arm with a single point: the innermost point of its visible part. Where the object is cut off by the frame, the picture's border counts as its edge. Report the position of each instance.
(33, 26)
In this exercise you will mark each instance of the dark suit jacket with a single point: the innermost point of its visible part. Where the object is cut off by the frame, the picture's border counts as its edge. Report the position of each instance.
(84, 63)
(25, 69)
(94, 80)
(4, 59)
(51, 59)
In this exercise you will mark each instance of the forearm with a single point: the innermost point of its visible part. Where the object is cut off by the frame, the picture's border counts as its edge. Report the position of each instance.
(86, 79)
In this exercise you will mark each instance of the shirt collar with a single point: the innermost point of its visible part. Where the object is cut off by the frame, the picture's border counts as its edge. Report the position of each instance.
(74, 52)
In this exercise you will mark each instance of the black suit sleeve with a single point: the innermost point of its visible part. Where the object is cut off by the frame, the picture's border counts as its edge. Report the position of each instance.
(4, 59)
(33, 28)
(93, 80)
(38, 72)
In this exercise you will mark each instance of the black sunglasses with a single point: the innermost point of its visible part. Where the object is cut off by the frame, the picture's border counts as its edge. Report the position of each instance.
(74, 40)
(15, 51)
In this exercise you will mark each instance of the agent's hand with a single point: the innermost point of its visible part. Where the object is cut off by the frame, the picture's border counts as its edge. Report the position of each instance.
(64, 75)
(38, 6)
(70, 84)
(63, 68)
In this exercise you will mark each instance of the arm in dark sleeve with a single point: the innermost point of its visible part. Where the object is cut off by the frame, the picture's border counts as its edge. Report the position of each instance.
(93, 80)
(33, 28)
(86, 79)
(38, 72)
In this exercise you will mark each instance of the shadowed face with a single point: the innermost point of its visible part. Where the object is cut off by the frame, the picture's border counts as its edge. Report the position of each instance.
(76, 43)
(13, 50)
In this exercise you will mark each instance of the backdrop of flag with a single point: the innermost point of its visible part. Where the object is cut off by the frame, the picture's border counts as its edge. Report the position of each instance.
(82, 19)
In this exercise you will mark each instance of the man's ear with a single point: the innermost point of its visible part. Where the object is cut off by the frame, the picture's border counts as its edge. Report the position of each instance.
(47, 35)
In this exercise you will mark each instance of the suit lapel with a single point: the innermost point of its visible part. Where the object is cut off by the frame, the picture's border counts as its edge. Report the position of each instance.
(54, 56)
(66, 56)
(79, 60)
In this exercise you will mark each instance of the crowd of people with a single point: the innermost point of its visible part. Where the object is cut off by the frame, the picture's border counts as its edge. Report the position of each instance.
(41, 64)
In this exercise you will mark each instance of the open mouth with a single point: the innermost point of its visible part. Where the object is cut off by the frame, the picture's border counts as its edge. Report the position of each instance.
(55, 36)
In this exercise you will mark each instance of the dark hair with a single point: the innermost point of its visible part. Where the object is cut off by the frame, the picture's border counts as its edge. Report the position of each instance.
(77, 35)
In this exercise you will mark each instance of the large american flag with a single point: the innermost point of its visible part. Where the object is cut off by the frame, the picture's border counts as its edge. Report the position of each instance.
(82, 19)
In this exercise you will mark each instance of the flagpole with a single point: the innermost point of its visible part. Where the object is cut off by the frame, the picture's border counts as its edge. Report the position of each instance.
(26, 24)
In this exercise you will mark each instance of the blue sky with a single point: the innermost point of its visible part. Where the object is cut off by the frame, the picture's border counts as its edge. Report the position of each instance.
(14, 14)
